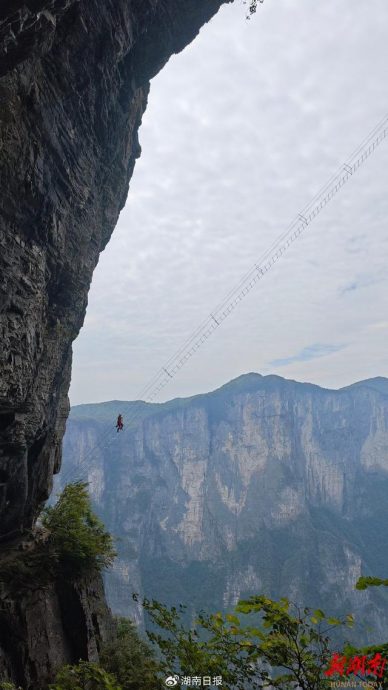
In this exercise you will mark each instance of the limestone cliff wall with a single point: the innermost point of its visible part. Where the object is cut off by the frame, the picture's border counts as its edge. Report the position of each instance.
(74, 79)
(265, 485)
(45, 626)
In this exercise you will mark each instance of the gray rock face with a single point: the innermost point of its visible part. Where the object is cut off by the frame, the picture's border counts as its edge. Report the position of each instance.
(74, 79)
(264, 485)
(44, 627)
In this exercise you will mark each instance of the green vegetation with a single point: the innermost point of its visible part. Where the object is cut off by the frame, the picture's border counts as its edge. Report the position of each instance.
(262, 644)
(126, 663)
(71, 542)
(278, 644)
(84, 676)
(78, 539)
(381, 649)
(365, 582)
(130, 659)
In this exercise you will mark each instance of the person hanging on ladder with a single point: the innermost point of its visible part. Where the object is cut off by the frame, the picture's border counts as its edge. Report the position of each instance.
(119, 424)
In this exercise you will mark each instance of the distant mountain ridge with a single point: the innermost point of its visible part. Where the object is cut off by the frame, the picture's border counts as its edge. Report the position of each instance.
(263, 485)
(102, 410)
(378, 384)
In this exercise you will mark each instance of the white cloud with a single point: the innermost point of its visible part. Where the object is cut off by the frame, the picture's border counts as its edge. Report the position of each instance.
(241, 131)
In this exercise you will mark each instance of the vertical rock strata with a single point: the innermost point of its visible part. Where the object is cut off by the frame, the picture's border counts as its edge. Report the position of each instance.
(42, 628)
(264, 485)
(74, 79)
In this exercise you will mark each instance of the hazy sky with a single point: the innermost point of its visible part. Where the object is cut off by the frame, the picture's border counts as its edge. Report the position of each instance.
(241, 130)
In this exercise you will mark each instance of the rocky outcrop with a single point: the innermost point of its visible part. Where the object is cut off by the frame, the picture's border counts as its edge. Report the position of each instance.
(74, 79)
(46, 621)
(264, 485)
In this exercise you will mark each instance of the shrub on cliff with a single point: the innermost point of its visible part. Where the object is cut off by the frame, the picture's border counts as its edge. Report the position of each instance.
(126, 663)
(130, 659)
(77, 539)
(84, 676)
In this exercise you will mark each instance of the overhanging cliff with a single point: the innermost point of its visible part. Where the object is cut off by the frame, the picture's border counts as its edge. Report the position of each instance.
(74, 79)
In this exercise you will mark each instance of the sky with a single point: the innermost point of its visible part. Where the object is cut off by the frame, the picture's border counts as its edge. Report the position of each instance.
(241, 130)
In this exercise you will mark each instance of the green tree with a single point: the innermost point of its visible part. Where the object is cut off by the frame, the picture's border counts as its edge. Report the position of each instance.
(77, 539)
(130, 659)
(278, 644)
(84, 676)
(370, 651)
(365, 582)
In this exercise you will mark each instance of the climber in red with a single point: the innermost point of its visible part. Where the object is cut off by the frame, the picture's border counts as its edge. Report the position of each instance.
(119, 424)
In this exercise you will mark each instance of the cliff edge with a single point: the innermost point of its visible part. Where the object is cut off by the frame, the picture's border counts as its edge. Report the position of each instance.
(74, 79)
